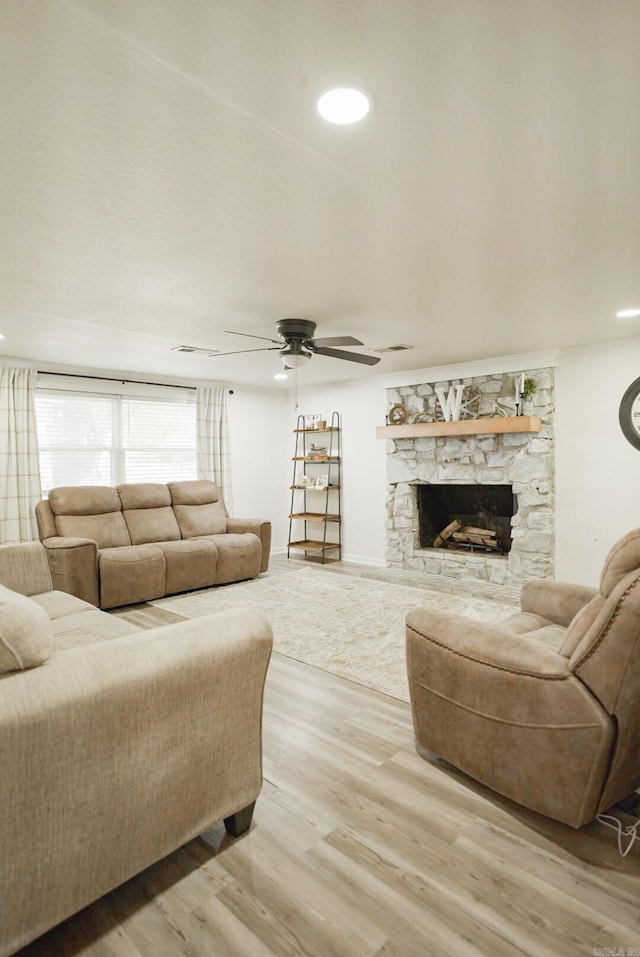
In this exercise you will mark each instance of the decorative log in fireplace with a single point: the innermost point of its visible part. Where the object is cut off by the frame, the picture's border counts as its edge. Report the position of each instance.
(466, 516)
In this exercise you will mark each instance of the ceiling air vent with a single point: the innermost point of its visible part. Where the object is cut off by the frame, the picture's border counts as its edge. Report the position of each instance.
(399, 348)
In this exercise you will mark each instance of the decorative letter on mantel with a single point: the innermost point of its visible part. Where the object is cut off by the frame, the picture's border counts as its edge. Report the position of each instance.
(452, 404)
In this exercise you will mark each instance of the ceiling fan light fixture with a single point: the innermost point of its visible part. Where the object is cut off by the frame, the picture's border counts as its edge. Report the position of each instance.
(343, 106)
(294, 358)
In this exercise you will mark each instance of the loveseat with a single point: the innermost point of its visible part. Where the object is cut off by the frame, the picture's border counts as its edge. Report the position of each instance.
(136, 542)
(117, 745)
(543, 707)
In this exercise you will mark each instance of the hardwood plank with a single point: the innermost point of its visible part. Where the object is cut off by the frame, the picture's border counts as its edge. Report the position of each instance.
(288, 898)
(586, 889)
(417, 914)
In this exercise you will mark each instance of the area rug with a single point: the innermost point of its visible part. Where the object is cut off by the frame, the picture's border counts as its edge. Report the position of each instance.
(343, 624)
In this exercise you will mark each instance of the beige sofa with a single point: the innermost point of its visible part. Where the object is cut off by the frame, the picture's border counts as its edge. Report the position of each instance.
(543, 707)
(137, 542)
(117, 745)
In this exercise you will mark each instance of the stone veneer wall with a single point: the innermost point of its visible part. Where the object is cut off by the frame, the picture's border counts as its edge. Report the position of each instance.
(525, 460)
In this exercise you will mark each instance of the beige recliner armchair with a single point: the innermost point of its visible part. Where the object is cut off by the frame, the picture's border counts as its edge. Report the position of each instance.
(543, 707)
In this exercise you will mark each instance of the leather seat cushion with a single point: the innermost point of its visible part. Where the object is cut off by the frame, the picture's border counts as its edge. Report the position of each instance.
(239, 556)
(191, 563)
(131, 574)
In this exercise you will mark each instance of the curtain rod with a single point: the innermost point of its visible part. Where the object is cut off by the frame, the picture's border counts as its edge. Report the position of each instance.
(105, 378)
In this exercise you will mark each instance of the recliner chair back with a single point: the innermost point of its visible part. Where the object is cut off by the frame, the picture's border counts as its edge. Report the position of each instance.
(607, 657)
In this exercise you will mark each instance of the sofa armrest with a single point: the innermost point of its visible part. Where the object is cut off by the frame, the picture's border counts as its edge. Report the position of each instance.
(560, 602)
(73, 563)
(119, 753)
(24, 568)
(259, 527)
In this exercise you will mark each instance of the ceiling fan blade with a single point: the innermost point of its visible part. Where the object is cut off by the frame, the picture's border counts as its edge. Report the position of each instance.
(351, 356)
(240, 352)
(336, 341)
(250, 335)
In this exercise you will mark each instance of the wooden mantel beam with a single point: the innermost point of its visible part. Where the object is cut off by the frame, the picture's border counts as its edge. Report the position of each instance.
(488, 426)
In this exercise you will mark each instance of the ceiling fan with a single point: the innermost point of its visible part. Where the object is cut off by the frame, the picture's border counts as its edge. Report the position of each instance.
(296, 344)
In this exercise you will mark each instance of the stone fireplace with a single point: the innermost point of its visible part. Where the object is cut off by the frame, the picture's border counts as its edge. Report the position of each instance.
(503, 482)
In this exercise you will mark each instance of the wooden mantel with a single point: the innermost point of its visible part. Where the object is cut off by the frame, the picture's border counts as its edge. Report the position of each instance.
(489, 426)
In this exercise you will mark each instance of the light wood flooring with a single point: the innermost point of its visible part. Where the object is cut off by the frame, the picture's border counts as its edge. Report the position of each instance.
(360, 847)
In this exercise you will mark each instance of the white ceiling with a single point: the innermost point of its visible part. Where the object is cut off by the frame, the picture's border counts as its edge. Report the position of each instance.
(165, 178)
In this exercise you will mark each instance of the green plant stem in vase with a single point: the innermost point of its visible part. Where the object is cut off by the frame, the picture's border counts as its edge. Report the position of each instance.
(529, 389)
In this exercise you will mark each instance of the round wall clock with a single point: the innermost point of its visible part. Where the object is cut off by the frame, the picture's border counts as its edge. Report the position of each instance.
(397, 415)
(629, 414)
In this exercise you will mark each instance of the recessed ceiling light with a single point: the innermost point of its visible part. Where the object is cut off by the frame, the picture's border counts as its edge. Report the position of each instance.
(281, 375)
(343, 106)
(1, 336)
(628, 313)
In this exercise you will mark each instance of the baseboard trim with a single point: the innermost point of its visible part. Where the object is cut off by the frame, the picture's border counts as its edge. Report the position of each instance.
(364, 560)
(348, 559)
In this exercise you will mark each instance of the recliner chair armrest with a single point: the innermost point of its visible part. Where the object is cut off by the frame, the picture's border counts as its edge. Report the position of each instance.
(73, 563)
(560, 602)
(261, 528)
(120, 752)
(482, 644)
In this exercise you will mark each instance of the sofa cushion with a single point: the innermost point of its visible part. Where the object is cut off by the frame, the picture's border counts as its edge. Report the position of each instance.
(76, 622)
(59, 604)
(239, 556)
(530, 625)
(26, 634)
(131, 575)
(144, 495)
(190, 564)
(88, 628)
(146, 507)
(84, 500)
(90, 511)
(198, 508)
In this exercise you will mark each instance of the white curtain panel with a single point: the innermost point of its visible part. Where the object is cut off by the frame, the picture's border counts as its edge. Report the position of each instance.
(212, 433)
(19, 461)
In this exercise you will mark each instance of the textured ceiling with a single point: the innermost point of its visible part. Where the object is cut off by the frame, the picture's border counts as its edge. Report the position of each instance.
(165, 178)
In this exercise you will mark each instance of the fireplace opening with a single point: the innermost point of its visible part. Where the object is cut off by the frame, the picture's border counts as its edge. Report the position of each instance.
(466, 517)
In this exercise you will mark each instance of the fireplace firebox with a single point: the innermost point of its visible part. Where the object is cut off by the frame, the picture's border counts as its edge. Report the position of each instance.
(466, 517)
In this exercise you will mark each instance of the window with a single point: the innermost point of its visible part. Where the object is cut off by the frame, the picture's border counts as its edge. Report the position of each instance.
(95, 439)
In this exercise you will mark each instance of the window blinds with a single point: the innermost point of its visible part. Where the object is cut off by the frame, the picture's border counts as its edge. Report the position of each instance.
(98, 439)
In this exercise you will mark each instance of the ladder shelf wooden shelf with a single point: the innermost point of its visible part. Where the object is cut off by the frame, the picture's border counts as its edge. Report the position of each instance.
(316, 498)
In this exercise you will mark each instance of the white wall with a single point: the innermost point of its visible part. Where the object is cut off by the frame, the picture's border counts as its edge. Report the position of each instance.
(597, 470)
(260, 457)
(362, 407)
